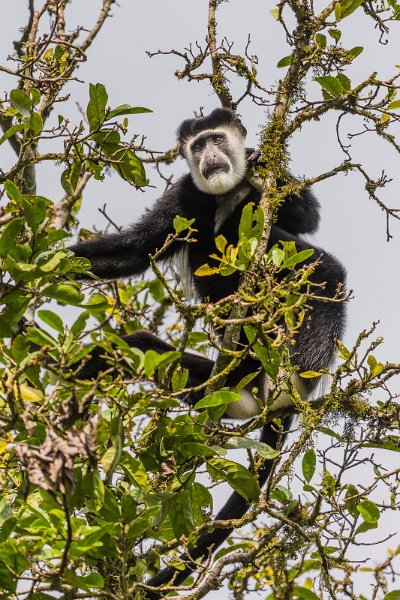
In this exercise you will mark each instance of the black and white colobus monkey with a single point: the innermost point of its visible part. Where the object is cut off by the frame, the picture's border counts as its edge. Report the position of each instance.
(214, 193)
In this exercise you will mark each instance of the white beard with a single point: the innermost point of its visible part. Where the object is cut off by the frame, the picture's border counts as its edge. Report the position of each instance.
(221, 182)
(182, 267)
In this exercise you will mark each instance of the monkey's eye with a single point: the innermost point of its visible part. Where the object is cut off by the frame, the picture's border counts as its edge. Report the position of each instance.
(218, 139)
(197, 147)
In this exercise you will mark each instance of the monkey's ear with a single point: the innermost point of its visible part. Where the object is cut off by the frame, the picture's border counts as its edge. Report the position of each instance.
(180, 149)
(241, 128)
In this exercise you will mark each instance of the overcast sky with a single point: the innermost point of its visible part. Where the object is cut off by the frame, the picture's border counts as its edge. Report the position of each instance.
(352, 227)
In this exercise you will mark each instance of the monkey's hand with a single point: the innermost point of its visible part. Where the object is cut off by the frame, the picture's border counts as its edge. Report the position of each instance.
(254, 159)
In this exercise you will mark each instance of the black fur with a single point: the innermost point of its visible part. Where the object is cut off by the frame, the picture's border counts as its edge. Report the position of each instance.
(127, 253)
(218, 117)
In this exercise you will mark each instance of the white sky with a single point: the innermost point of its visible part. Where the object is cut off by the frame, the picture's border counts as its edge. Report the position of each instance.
(352, 226)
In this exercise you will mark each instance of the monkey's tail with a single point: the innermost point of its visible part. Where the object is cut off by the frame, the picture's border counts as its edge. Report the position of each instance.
(234, 508)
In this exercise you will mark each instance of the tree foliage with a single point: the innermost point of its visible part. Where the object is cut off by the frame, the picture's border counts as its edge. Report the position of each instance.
(103, 481)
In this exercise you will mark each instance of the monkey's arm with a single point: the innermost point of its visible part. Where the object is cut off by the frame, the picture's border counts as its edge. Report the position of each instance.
(315, 340)
(297, 214)
(127, 253)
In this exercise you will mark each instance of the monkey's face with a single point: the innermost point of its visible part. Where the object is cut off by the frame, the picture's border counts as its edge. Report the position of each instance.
(217, 159)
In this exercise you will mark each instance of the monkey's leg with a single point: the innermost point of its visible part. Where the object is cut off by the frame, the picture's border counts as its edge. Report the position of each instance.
(198, 366)
(200, 369)
(234, 508)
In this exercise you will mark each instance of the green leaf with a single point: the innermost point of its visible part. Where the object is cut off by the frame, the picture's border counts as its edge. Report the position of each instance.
(96, 303)
(392, 106)
(12, 131)
(375, 367)
(348, 6)
(96, 109)
(246, 221)
(51, 319)
(79, 325)
(5, 328)
(302, 593)
(344, 352)
(70, 177)
(284, 62)
(8, 581)
(156, 289)
(153, 360)
(110, 138)
(93, 580)
(369, 511)
(35, 211)
(338, 11)
(245, 381)
(281, 494)
(277, 256)
(391, 442)
(125, 109)
(393, 595)
(206, 271)
(364, 527)
(351, 500)
(261, 448)
(12, 190)
(219, 398)
(354, 52)
(180, 512)
(41, 337)
(336, 34)
(310, 374)
(66, 293)
(58, 52)
(181, 224)
(330, 432)
(201, 500)
(251, 222)
(189, 449)
(21, 101)
(345, 81)
(321, 40)
(54, 261)
(330, 84)
(297, 258)
(36, 122)
(308, 464)
(128, 506)
(269, 355)
(9, 236)
(127, 164)
(238, 477)
(221, 243)
(136, 529)
(179, 379)
(35, 95)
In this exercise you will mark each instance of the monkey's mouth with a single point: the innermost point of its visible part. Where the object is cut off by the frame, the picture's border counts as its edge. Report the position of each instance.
(211, 170)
